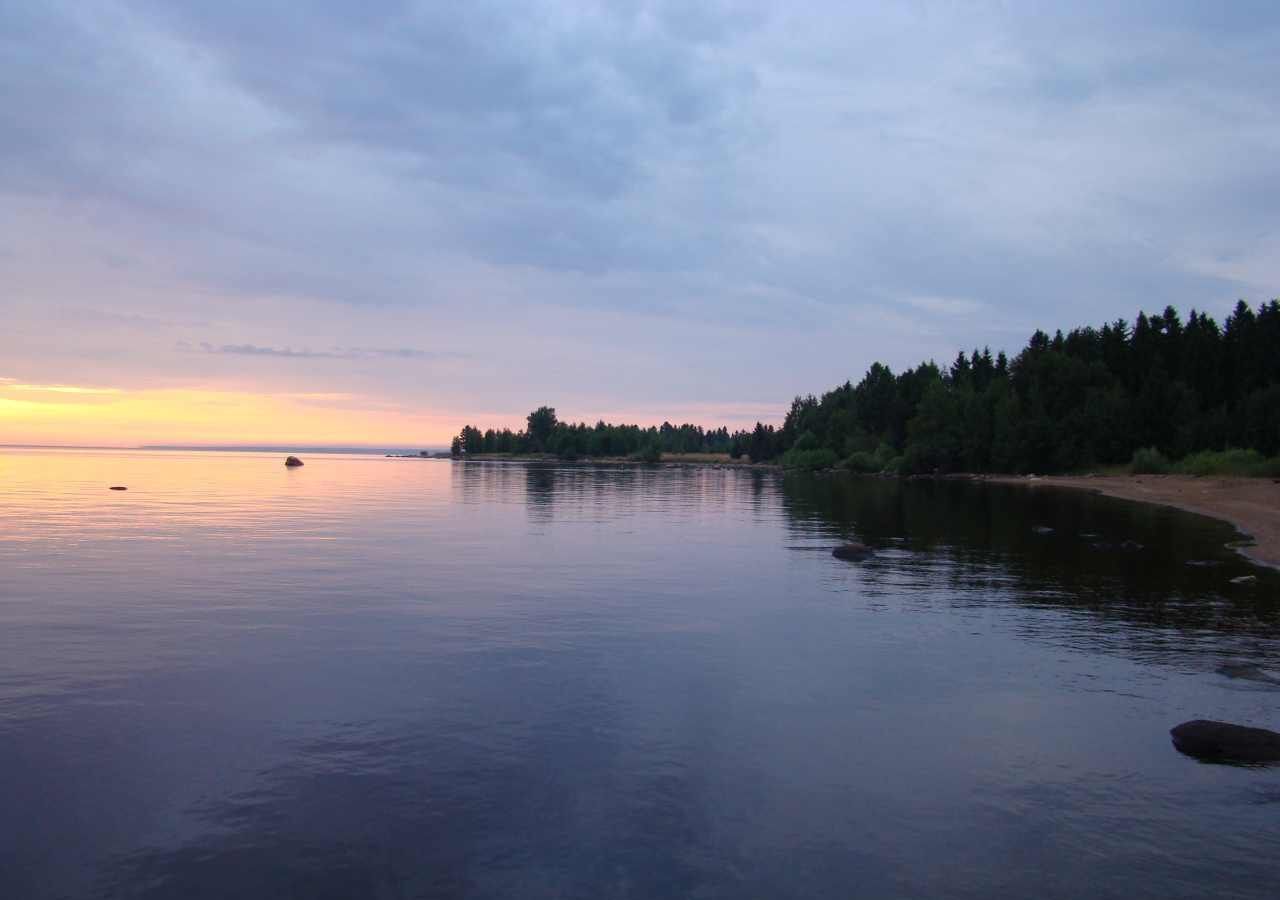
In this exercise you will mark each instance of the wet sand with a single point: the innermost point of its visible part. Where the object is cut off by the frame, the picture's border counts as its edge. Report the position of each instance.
(1252, 505)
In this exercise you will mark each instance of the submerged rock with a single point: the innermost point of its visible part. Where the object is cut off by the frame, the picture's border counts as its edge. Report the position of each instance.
(292, 462)
(1249, 671)
(852, 551)
(1223, 742)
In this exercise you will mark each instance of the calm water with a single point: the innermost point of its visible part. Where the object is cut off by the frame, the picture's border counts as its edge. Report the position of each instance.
(406, 678)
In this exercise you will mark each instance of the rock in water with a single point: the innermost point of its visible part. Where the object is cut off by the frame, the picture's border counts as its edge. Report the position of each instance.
(293, 462)
(852, 551)
(1249, 671)
(1224, 742)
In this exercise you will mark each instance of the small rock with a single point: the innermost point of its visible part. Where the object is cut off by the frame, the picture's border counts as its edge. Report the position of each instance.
(117, 487)
(1249, 671)
(292, 462)
(1224, 742)
(852, 551)
(1244, 579)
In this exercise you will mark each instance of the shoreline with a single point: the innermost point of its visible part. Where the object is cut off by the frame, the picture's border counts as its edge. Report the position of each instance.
(1250, 505)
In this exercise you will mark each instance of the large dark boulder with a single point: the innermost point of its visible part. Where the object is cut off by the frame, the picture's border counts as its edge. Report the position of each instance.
(1223, 742)
(292, 462)
(852, 551)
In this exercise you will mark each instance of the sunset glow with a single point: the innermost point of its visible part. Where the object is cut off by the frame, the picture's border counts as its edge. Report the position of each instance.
(109, 416)
(68, 414)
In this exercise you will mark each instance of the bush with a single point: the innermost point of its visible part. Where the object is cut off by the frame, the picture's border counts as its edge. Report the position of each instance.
(1148, 461)
(806, 441)
(917, 460)
(810, 460)
(863, 461)
(1229, 462)
(867, 462)
(650, 453)
(1220, 462)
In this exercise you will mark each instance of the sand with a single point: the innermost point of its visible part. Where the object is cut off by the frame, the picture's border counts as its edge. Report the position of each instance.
(1252, 505)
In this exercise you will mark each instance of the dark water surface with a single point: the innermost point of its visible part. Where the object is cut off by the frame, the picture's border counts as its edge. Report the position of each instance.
(405, 678)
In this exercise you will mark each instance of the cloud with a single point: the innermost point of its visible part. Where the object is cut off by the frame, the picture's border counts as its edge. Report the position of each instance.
(947, 306)
(86, 315)
(529, 137)
(307, 353)
(10, 384)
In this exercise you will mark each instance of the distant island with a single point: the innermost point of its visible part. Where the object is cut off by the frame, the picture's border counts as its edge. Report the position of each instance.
(1159, 395)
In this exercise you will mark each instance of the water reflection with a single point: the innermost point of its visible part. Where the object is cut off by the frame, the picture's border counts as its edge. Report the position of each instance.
(1116, 560)
(539, 492)
(401, 678)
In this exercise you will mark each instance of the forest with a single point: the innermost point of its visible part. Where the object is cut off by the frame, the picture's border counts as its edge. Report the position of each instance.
(1157, 390)
(545, 434)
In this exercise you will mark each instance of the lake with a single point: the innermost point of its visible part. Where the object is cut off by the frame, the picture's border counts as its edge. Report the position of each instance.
(401, 678)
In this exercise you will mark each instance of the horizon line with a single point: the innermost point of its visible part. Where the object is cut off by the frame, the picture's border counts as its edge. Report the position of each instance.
(315, 448)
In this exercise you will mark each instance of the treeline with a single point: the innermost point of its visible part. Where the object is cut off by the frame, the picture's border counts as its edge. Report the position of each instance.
(547, 434)
(1091, 397)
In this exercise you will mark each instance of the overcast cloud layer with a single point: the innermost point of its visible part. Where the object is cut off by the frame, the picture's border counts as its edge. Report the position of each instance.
(627, 209)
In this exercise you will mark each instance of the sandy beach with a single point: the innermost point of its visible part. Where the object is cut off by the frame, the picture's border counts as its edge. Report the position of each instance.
(1252, 505)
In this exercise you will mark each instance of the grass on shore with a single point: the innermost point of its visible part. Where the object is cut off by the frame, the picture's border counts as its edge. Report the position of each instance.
(1239, 463)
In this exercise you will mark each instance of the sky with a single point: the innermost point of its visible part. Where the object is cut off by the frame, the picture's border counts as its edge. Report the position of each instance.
(358, 222)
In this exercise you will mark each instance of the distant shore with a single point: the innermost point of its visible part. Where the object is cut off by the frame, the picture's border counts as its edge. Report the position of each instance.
(713, 460)
(1252, 505)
